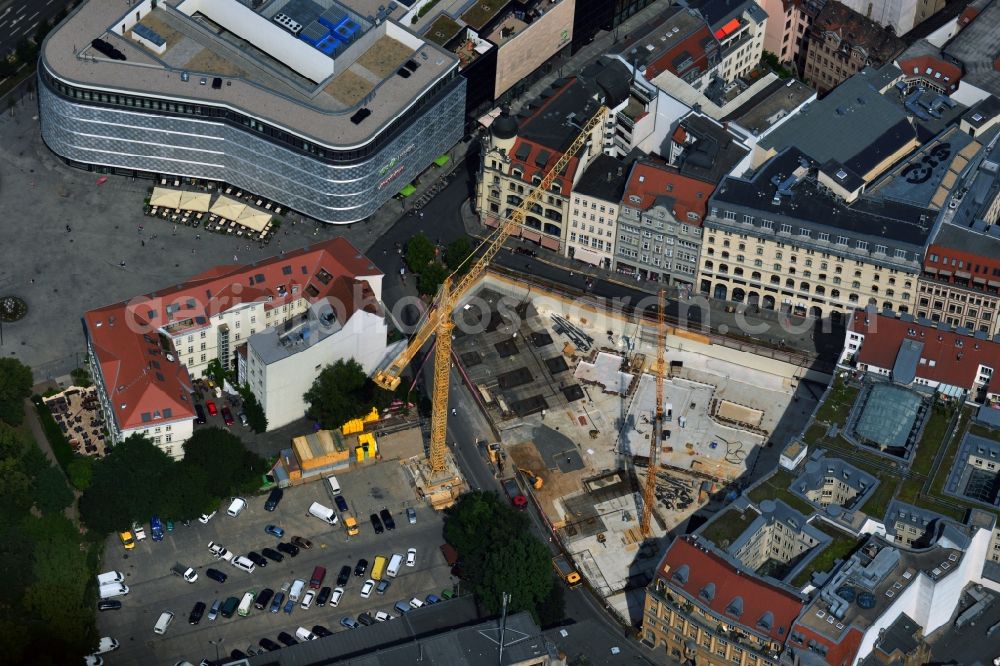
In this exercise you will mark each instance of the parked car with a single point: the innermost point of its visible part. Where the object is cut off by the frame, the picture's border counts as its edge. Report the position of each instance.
(272, 554)
(344, 575)
(273, 499)
(361, 567)
(170, 525)
(350, 623)
(324, 596)
(382, 616)
(139, 530)
(366, 619)
(447, 594)
(386, 517)
(256, 558)
(316, 580)
(212, 409)
(238, 654)
(109, 604)
(277, 602)
(213, 612)
(340, 502)
(366, 589)
(287, 639)
(336, 596)
(321, 631)
(219, 552)
(156, 528)
(376, 523)
(263, 600)
(275, 531)
(432, 599)
(525, 251)
(307, 599)
(288, 549)
(383, 585)
(196, 613)
(227, 416)
(205, 517)
(289, 606)
(411, 557)
(304, 544)
(199, 414)
(304, 634)
(216, 575)
(269, 645)
(244, 421)
(411, 515)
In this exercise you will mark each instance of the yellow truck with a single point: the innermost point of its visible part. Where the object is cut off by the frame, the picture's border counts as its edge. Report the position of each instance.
(351, 525)
(566, 571)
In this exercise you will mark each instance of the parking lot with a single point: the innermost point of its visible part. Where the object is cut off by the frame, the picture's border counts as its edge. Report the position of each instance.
(154, 589)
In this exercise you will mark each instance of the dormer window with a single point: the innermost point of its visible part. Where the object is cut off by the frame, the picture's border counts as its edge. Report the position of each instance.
(735, 607)
(708, 592)
(682, 574)
(766, 621)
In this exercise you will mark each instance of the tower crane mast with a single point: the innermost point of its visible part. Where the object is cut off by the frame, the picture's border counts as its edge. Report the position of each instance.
(656, 437)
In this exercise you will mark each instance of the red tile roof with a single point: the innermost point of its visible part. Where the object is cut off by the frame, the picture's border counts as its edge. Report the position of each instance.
(949, 74)
(649, 181)
(530, 169)
(956, 358)
(146, 384)
(700, 568)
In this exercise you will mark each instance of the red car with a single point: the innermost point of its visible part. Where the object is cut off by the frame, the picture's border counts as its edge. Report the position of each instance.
(227, 416)
(212, 410)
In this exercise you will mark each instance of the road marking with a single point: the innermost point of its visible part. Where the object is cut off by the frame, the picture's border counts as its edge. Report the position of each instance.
(2, 23)
(33, 16)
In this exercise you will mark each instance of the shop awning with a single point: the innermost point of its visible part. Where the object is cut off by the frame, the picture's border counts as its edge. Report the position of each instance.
(408, 190)
(442, 160)
(550, 243)
(533, 236)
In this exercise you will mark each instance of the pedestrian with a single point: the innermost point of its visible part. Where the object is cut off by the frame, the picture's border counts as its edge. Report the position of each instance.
(175, 230)
(143, 243)
(122, 264)
(68, 229)
(235, 258)
(197, 236)
(32, 281)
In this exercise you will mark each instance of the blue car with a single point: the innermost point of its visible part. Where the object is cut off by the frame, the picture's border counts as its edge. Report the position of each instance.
(275, 531)
(289, 606)
(156, 528)
(340, 502)
(433, 599)
(279, 599)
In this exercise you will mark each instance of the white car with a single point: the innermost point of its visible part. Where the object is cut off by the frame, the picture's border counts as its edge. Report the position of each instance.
(107, 644)
(220, 552)
(307, 599)
(139, 530)
(411, 557)
(338, 592)
(244, 563)
(382, 616)
(205, 517)
(93, 660)
(366, 589)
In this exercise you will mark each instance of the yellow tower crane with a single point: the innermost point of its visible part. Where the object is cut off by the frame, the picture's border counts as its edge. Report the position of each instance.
(438, 318)
(656, 438)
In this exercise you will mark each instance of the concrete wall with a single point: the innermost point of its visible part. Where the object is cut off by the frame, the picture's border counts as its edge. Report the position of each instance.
(540, 41)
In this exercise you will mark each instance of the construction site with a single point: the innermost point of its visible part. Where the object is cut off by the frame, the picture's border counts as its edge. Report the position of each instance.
(572, 393)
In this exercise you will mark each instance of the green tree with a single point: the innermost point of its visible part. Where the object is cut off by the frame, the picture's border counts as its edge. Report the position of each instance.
(430, 279)
(125, 486)
(499, 553)
(81, 377)
(15, 478)
(456, 253)
(770, 61)
(343, 392)
(552, 609)
(184, 494)
(15, 386)
(419, 252)
(51, 493)
(254, 411)
(228, 466)
(80, 472)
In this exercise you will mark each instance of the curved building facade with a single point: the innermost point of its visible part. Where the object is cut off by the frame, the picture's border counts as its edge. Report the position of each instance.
(301, 142)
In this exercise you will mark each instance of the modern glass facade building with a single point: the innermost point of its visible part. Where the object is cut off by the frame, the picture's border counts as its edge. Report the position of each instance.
(334, 145)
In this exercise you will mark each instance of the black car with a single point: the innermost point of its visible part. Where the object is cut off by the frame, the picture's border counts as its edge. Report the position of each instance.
(269, 645)
(263, 599)
(272, 554)
(216, 575)
(288, 549)
(344, 576)
(196, 613)
(361, 567)
(273, 499)
(366, 619)
(323, 597)
(376, 523)
(340, 502)
(109, 604)
(390, 524)
(321, 631)
(255, 557)
(200, 412)
(238, 654)
(287, 639)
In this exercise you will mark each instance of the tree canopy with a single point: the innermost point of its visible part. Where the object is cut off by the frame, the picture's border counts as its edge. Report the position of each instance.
(500, 554)
(419, 252)
(343, 392)
(15, 386)
(228, 467)
(254, 411)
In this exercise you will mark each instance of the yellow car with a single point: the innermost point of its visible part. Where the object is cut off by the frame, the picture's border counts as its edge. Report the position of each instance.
(127, 540)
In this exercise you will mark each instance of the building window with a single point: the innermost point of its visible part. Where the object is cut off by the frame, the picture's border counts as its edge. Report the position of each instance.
(786, 228)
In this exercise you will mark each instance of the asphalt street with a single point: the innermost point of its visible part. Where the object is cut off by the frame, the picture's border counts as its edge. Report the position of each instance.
(20, 19)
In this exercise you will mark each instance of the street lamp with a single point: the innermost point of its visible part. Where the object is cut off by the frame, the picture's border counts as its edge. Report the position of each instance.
(217, 642)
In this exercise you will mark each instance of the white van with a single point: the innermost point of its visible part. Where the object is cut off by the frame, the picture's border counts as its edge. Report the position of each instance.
(113, 590)
(110, 577)
(333, 486)
(323, 513)
(394, 564)
(245, 604)
(243, 563)
(416, 603)
(304, 634)
(237, 506)
(296, 591)
(166, 617)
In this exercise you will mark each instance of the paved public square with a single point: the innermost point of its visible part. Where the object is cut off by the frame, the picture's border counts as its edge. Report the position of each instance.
(63, 273)
(154, 589)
